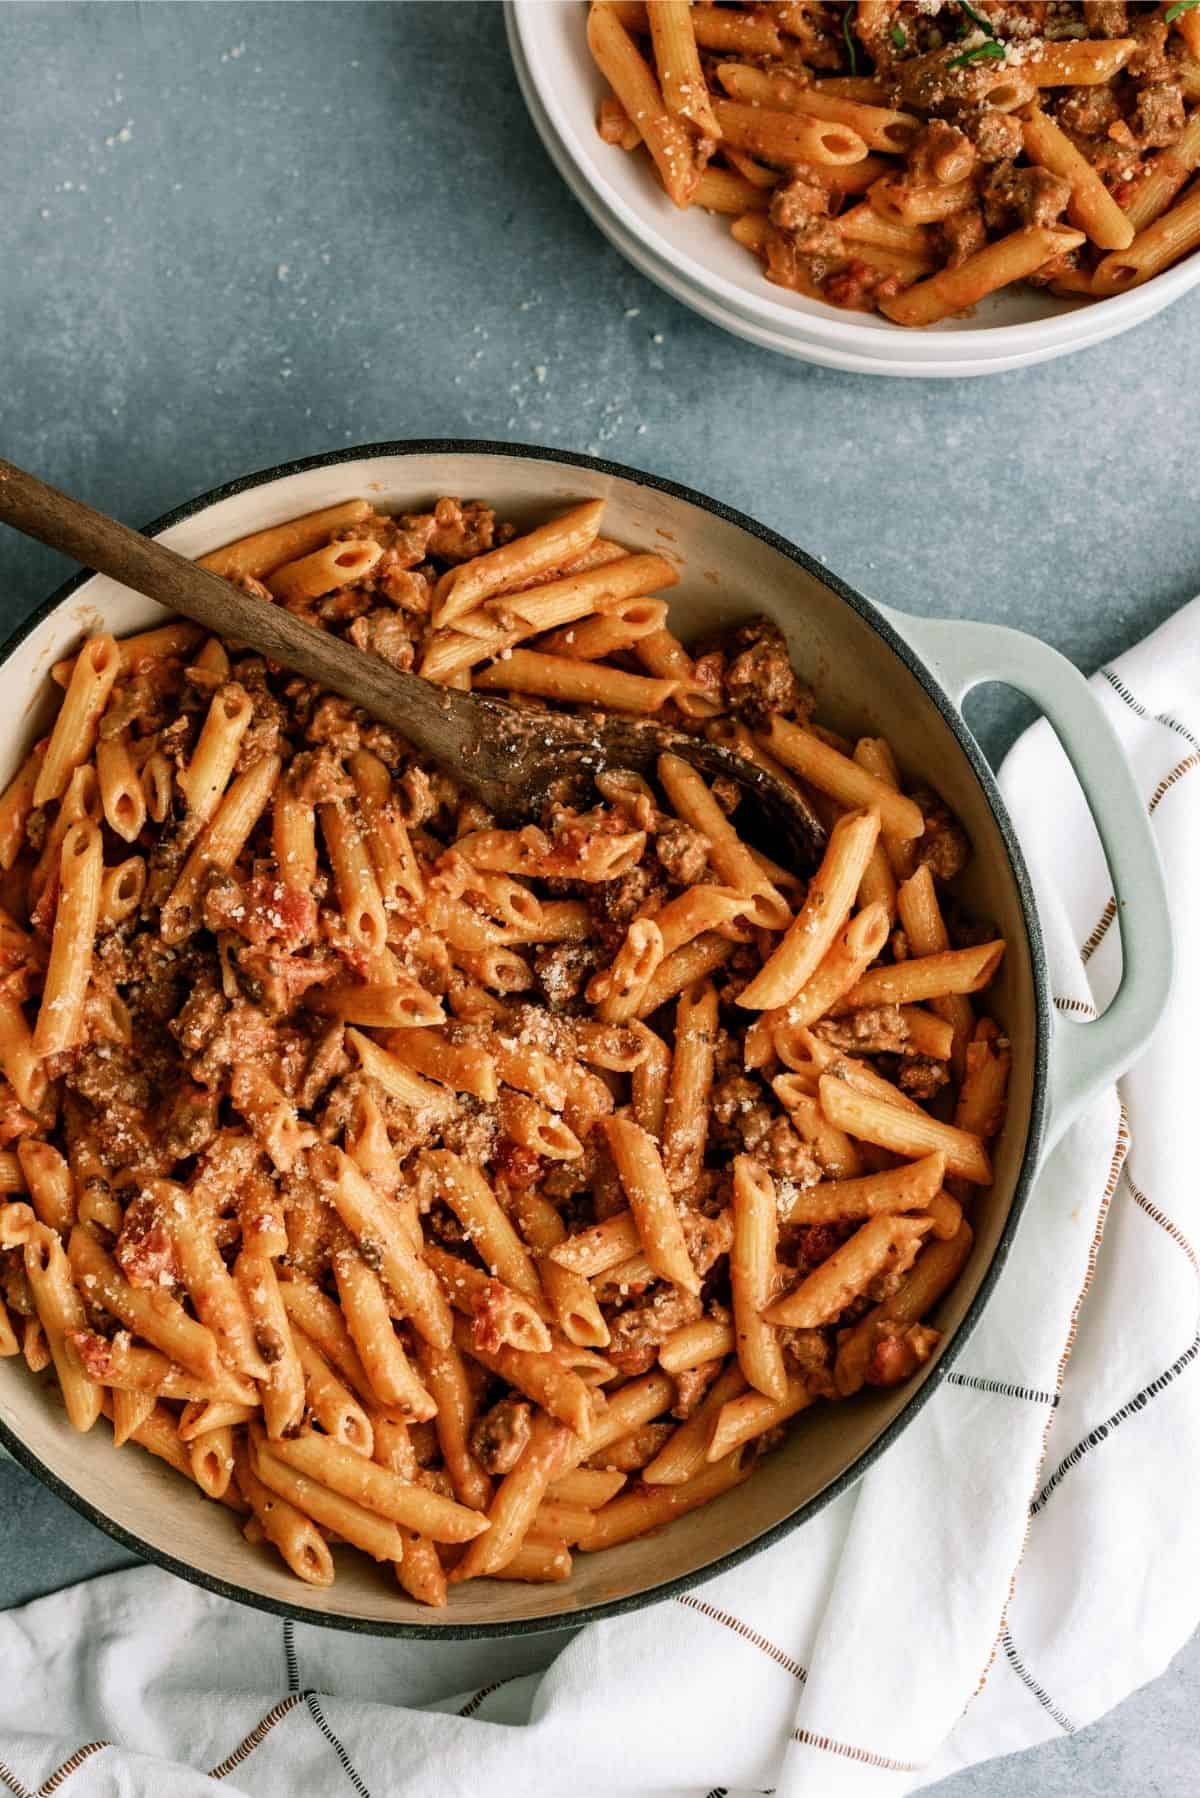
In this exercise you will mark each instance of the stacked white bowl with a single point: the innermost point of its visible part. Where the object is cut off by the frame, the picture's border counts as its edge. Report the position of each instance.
(693, 256)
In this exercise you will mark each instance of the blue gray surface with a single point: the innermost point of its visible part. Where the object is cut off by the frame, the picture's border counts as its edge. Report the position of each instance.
(231, 235)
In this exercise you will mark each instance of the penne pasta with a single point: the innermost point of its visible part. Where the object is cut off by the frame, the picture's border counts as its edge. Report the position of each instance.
(295, 1535)
(568, 1294)
(630, 77)
(910, 1133)
(842, 969)
(121, 892)
(742, 1420)
(531, 1126)
(574, 682)
(169, 641)
(374, 1535)
(685, 1124)
(397, 871)
(752, 1277)
(741, 115)
(1079, 63)
(402, 1005)
(283, 1392)
(681, 1457)
(352, 1476)
(786, 137)
(60, 1014)
(616, 991)
(603, 1246)
(727, 853)
(842, 778)
(633, 1514)
(219, 845)
(911, 1187)
(677, 61)
(1092, 207)
(215, 756)
(335, 565)
(358, 893)
(1173, 235)
(709, 1339)
(121, 795)
(74, 735)
(516, 564)
(1007, 260)
(662, 654)
(60, 1313)
(926, 977)
(159, 1319)
(443, 1372)
(933, 1272)
(694, 961)
(545, 1379)
(877, 126)
(16, 804)
(465, 1067)
(1162, 177)
(262, 553)
(516, 1502)
(884, 1244)
(650, 1084)
(366, 1217)
(826, 908)
(659, 1229)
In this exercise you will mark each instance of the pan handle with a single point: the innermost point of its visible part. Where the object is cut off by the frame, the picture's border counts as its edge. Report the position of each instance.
(1085, 1057)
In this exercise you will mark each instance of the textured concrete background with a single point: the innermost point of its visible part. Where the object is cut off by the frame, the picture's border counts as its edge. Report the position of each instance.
(231, 235)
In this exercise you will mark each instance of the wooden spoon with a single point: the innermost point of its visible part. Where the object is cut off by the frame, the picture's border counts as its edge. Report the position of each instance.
(511, 759)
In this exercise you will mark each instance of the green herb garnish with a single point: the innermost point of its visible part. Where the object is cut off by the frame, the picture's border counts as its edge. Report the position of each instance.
(983, 24)
(1180, 7)
(851, 50)
(899, 37)
(989, 52)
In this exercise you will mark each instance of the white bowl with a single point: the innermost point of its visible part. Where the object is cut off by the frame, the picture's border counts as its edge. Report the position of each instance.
(784, 343)
(693, 255)
(900, 677)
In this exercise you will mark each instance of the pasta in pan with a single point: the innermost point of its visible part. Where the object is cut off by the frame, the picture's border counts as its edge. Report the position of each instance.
(471, 1196)
(913, 156)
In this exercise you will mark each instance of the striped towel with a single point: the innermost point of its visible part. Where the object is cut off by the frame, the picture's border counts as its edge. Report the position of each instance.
(1022, 1559)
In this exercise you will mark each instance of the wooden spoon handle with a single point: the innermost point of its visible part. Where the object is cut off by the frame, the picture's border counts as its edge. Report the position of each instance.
(442, 723)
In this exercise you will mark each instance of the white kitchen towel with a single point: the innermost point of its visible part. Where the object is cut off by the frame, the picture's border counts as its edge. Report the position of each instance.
(1024, 1557)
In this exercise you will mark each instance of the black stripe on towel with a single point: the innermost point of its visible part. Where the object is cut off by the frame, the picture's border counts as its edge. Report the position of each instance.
(1135, 705)
(292, 1660)
(318, 1717)
(472, 1705)
(1004, 1387)
(1104, 1430)
(1039, 1692)
(761, 1642)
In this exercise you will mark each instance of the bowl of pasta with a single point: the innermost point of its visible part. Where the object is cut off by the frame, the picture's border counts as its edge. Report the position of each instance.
(898, 188)
(420, 1226)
